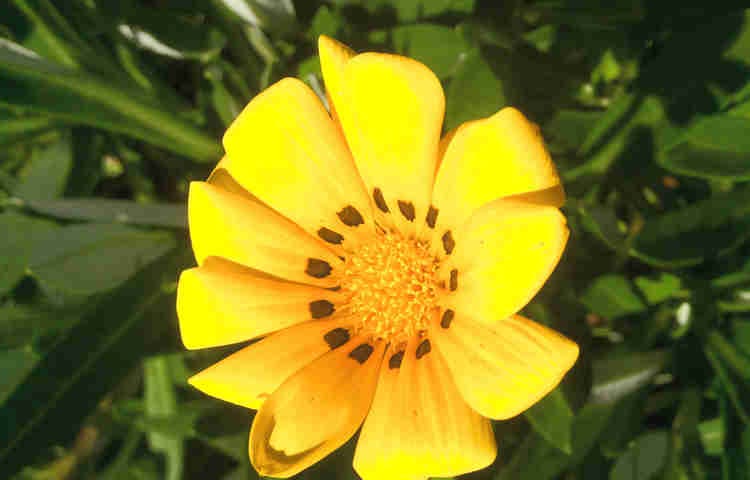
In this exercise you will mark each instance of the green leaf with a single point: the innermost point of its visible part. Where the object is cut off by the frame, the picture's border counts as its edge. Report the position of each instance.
(552, 418)
(22, 324)
(35, 84)
(646, 458)
(16, 245)
(70, 379)
(616, 376)
(114, 211)
(418, 41)
(612, 296)
(536, 459)
(90, 258)
(716, 147)
(474, 91)
(661, 287)
(712, 436)
(46, 175)
(161, 402)
(167, 33)
(705, 229)
(411, 10)
(15, 364)
(276, 16)
(18, 128)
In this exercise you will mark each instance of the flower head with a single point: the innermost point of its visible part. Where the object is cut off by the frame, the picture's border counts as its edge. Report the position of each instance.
(382, 267)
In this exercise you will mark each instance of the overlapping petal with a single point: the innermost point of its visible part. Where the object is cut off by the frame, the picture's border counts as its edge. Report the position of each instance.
(391, 110)
(503, 368)
(502, 257)
(227, 225)
(252, 374)
(491, 158)
(222, 302)
(286, 150)
(419, 426)
(316, 410)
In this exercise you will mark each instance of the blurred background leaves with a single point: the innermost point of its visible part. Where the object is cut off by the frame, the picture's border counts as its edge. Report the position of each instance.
(109, 109)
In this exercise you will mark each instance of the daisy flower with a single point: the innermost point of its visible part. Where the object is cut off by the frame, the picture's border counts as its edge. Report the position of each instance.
(382, 269)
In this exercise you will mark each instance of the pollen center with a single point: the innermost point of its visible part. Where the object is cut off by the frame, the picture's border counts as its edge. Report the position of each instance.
(392, 287)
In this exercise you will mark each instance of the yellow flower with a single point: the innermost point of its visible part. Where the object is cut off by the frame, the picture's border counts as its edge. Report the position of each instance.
(383, 268)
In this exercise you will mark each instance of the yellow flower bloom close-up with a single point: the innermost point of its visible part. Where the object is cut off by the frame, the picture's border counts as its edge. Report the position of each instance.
(381, 266)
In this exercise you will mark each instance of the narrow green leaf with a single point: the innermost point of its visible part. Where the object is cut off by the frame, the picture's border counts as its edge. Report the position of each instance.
(35, 84)
(46, 175)
(16, 245)
(91, 258)
(552, 418)
(113, 211)
(84, 364)
(646, 458)
(15, 128)
(161, 402)
(15, 364)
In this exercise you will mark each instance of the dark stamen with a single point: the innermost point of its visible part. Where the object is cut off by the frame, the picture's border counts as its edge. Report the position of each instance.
(362, 352)
(395, 360)
(448, 243)
(330, 236)
(377, 195)
(453, 284)
(448, 315)
(350, 216)
(407, 209)
(431, 218)
(318, 268)
(423, 348)
(321, 308)
(336, 337)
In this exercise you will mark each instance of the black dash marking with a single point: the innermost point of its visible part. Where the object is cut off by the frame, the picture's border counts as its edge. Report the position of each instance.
(448, 243)
(334, 289)
(318, 268)
(395, 360)
(321, 308)
(431, 218)
(330, 236)
(407, 209)
(377, 195)
(336, 337)
(423, 348)
(448, 315)
(453, 284)
(350, 216)
(362, 352)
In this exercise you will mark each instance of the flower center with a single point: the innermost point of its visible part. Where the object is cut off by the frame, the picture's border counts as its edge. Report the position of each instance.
(392, 287)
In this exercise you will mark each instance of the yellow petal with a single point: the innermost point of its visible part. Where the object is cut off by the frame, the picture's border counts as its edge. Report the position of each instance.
(285, 149)
(419, 426)
(252, 374)
(226, 225)
(333, 57)
(487, 159)
(391, 110)
(222, 302)
(503, 368)
(316, 410)
(502, 258)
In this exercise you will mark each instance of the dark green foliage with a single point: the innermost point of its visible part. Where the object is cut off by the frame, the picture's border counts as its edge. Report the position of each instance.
(109, 109)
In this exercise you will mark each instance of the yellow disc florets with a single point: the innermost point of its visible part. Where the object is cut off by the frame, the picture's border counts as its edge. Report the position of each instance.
(392, 287)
